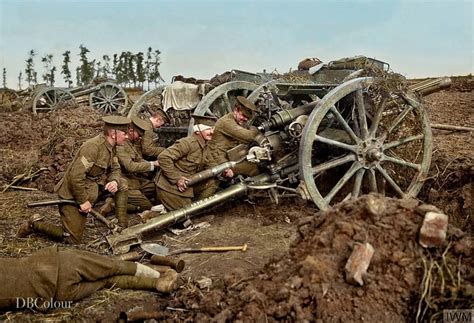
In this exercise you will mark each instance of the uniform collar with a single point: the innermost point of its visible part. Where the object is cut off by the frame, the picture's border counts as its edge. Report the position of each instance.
(200, 140)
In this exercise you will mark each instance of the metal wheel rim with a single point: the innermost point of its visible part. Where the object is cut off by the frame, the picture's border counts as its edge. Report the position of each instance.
(52, 98)
(138, 106)
(109, 99)
(307, 170)
(204, 106)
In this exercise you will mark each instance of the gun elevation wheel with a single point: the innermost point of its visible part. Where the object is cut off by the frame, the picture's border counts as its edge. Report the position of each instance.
(364, 138)
(50, 98)
(109, 99)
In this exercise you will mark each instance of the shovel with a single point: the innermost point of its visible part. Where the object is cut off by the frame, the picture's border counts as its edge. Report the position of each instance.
(157, 249)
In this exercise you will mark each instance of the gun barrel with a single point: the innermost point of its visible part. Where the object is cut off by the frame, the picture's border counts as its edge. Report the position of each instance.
(132, 235)
(431, 85)
(208, 173)
(285, 117)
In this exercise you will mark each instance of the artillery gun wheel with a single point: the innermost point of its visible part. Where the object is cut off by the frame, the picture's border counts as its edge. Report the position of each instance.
(8, 97)
(144, 104)
(109, 99)
(359, 139)
(220, 100)
(50, 98)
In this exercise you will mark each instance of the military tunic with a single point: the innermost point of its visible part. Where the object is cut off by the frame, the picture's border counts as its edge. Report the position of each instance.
(93, 165)
(149, 147)
(184, 158)
(57, 274)
(227, 135)
(134, 170)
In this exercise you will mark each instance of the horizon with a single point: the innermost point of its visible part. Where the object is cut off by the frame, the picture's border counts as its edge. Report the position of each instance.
(200, 39)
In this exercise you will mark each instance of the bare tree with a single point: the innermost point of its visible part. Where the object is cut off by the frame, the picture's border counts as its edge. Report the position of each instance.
(20, 78)
(30, 68)
(65, 71)
(49, 69)
(4, 74)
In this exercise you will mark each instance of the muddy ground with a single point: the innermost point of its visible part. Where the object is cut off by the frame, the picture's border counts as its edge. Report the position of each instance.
(291, 271)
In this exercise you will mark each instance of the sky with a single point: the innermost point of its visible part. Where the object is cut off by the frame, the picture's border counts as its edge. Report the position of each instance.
(202, 38)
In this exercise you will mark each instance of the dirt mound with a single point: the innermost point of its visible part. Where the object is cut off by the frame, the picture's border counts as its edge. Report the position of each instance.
(309, 283)
(46, 140)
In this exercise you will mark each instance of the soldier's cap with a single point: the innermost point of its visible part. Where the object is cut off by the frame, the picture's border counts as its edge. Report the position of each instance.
(162, 113)
(203, 122)
(116, 122)
(247, 107)
(140, 125)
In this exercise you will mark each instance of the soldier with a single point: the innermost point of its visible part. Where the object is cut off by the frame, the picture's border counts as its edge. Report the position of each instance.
(135, 169)
(94, 170)
(180, 160)
(149, 147)
(230, 131)
(50, 278)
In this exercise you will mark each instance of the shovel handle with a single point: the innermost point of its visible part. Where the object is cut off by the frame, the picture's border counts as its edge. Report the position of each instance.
(213, 249)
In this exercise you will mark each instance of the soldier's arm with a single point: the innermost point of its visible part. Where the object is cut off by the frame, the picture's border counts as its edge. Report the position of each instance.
(125, 154)
(86, 158)
(149, 147)
(115, 173)
(168, 158)
(232, 129)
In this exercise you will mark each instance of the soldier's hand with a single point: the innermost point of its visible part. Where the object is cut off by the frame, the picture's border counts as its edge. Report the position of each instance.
(228, 173)
(112, 186)
(182, 186)
(86, 207)
(156, 163)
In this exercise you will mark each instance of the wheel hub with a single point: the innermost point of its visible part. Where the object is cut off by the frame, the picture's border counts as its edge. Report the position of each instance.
(369, 152)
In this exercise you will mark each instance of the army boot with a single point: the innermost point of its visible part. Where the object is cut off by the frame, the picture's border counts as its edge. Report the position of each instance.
(121, 199)
(53, 231)
(108, 206)
(26, 228)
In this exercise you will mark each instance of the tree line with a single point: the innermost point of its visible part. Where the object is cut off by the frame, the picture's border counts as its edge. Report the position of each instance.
(127, 68)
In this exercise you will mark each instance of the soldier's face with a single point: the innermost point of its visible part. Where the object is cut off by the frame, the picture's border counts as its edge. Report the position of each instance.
(120, 137)
(133, 135)
(207, 134)
(239, 117)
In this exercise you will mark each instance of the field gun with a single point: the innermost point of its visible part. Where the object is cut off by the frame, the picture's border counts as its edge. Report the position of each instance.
(348, 129)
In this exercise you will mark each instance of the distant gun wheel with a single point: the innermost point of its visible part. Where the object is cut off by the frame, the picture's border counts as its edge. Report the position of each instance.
(361, 138)
(109, 99)
(220, 100)
(8, 98)
(50, 98)
(146, 102)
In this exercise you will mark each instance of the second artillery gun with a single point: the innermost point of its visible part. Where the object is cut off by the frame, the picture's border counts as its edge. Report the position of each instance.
(334, 132)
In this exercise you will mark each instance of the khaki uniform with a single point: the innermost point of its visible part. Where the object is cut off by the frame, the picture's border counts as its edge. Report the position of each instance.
(184, 158)
(93, 165)
(64, 275)
(227, 135)
(134, 170)
(149, 147)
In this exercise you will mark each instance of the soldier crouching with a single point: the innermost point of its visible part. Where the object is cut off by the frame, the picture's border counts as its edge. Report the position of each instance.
(94, 169)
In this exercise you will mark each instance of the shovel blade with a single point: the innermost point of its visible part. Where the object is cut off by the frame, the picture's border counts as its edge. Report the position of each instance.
(155, 249)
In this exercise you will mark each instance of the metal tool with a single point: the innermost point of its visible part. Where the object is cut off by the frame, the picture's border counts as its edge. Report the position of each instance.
(157, 249)
(94, 213)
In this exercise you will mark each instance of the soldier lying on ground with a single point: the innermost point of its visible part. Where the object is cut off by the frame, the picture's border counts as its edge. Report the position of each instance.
(135, 169)
(50, 276)
(180, 160)
(230, 131)
(93, 171)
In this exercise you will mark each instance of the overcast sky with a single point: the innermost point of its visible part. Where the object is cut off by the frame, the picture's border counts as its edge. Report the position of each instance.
(202, 38)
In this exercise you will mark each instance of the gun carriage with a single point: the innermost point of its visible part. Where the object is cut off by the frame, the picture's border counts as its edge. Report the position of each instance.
(105, 97)
(333, 132)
